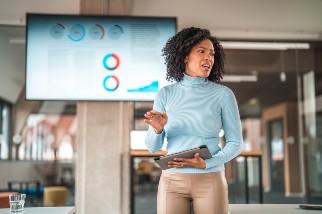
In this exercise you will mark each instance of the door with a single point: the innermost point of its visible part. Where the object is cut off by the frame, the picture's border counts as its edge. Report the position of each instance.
(276, 155)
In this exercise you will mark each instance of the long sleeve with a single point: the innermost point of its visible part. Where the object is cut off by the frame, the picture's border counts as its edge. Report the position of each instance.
(154, 141)
(232, 129)
(197, 109)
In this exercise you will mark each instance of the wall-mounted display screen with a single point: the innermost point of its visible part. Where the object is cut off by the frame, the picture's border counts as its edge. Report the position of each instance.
(71, 57)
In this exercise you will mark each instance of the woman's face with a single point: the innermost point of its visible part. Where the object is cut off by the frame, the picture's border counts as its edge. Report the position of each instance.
(199, 62)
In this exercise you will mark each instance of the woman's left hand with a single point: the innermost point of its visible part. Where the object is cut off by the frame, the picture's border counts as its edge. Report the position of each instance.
(195, 162)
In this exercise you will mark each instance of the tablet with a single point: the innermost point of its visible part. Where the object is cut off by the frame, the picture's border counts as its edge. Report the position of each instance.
(310, 206)
(203, 151)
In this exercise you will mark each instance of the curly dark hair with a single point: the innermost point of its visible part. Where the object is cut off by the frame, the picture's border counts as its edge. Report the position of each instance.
(180, 45)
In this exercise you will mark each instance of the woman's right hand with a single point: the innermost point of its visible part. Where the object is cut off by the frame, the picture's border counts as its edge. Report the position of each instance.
(156, 119)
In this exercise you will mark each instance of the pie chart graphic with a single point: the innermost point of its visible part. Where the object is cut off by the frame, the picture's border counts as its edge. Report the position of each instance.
(97, 32)
(111, 61)
(111, 83)
(115, 32)
(77, 33)
(57, 31)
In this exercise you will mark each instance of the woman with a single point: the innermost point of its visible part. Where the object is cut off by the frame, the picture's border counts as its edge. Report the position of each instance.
(191, 113)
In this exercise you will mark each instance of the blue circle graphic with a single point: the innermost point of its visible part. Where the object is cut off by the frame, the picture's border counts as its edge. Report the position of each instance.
(77, 33)
(111, 78)
(116, 32)
(114, 56)
(57, 31)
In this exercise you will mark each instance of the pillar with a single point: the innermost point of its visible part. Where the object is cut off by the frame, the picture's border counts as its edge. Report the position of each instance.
(103, 141)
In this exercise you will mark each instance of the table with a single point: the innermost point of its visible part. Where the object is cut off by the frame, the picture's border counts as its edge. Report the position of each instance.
(269, 209)
(253, 154)
(42, 210)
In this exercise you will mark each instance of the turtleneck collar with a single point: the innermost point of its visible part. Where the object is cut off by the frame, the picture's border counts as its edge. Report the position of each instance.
(193, 81)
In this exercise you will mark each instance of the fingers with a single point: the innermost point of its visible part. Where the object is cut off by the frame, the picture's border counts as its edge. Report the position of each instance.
(179, 163)
(151, 114)
(147, 121)
(176, 164)
(197, 156)
(164, 115)
(154, 112)
(156, 119)
(201, 162)
(195, 162)
(148, 115)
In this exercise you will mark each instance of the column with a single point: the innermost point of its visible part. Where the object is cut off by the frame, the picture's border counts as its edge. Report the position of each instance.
(103, 141)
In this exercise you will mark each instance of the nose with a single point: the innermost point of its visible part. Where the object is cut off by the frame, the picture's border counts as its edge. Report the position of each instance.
(208, 57)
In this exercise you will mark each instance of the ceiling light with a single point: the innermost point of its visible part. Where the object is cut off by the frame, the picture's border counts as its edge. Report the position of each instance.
(282, 74)
(17, 41)
(280, 35)
(264, 45)
(239, 78)
(253, 101)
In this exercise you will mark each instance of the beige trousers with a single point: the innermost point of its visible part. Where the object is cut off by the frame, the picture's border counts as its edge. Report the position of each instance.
(208, 193)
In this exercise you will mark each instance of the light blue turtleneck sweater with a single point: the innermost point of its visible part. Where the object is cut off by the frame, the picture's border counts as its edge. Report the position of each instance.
(197, 109)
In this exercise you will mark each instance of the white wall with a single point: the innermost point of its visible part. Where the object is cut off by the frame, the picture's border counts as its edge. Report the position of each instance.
(22, 170)
(32, 170)
(254, 19)
(13, 11)
(12, 65)
(230, 18)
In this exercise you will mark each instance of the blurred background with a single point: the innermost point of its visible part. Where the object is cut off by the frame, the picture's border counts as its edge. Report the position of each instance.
(273, 65)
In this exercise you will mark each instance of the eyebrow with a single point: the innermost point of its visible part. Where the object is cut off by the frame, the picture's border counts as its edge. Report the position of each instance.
(206, 48)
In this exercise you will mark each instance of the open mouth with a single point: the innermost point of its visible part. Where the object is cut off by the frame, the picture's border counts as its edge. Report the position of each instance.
(206, 66)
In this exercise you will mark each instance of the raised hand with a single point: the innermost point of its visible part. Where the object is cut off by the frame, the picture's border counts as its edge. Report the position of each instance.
(156, 119)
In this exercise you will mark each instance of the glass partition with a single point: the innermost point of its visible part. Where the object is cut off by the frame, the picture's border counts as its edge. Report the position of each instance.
(310, 103)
